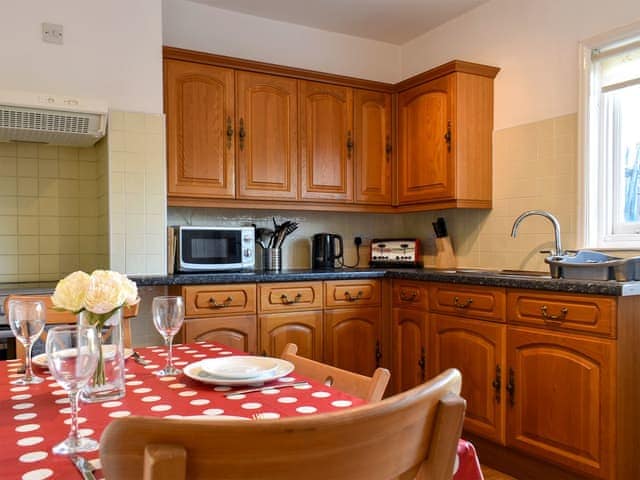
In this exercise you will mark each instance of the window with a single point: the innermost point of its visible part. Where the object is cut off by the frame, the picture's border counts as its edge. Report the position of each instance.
(610, 115)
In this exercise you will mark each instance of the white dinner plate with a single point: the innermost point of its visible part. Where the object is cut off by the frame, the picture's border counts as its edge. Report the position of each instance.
(239, 367)
(108, 352)
(196, 372)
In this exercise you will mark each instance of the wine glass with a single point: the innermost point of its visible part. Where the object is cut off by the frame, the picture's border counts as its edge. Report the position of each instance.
(168, 315)
(27, 319)
(72, 354)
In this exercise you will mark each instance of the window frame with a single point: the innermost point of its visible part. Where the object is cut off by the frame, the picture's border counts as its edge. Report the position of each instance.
(595, 209)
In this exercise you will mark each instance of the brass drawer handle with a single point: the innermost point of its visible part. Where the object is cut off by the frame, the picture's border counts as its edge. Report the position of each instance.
(457, 304)
(408, 298)
(215, 304)
(285, 300)
(349, 298)
(547, 316)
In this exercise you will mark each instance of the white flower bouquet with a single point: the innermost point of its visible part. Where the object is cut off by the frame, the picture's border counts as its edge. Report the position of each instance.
(99, 296)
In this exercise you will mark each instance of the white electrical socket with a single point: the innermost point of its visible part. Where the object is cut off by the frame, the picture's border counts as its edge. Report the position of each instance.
(366, 240)
(52, 33)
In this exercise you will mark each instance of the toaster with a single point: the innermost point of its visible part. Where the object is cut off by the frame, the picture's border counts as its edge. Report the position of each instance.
(395, 252)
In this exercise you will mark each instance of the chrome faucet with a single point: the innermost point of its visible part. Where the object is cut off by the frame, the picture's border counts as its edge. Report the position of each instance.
(554, 221)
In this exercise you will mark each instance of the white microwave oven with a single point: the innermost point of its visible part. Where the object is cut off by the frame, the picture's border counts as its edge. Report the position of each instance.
(212, 249)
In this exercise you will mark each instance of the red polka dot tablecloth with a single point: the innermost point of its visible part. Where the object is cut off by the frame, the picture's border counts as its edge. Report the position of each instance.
(36, 417)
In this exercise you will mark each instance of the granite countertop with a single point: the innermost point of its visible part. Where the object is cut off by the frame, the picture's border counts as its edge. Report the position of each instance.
(462, 276)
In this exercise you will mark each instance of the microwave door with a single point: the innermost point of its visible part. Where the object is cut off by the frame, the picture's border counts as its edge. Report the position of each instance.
(210, 249)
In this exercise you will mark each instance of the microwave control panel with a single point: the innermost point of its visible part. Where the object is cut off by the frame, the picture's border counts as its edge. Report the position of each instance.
(394, 252)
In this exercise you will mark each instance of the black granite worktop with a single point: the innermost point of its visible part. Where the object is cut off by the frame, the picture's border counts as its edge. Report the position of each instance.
(467, 277)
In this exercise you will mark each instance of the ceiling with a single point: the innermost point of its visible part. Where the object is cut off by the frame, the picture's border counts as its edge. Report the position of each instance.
(392, 21)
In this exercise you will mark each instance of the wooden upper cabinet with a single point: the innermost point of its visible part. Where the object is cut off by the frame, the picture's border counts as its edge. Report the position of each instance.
(267, 136)
(199, 105)
(326, 142)
(372, 149)
(444, 141)
(424, 153)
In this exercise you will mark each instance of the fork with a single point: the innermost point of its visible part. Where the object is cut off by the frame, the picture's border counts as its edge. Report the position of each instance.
(259, 416)
(84, 467)
(139, 359)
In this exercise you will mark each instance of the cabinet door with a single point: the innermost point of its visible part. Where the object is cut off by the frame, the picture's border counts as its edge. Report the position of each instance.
(477, 349)
(372, 150)
(409, 340)
(326, 131)
(267, 136)
(425, 161)
(302, 328)
(199, 104)
(239, 332)
(563, 399)
(352, 339)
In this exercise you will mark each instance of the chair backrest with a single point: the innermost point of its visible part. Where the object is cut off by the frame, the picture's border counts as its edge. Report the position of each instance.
(60, 317)
(370, 389)
(415, 432)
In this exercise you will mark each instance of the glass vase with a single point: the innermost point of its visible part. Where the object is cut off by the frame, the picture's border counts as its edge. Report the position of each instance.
(107, 382)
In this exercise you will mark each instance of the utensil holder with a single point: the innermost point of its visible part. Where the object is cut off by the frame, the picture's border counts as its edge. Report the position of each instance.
(272, 259)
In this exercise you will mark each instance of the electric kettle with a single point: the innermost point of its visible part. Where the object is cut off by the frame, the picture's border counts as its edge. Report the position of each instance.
(324, 251)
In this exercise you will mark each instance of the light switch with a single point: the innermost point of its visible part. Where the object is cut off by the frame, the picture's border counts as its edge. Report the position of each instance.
(52, 33)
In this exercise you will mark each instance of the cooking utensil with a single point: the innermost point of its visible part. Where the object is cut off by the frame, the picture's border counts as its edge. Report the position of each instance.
(84, 467)
(440, 227)
(260, 389)
(139, 359)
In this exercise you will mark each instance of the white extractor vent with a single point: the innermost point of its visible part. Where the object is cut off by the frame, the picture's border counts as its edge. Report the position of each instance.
(57, 120)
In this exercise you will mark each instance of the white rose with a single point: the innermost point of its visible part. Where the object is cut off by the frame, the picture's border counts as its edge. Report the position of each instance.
(71, 291)
(105, 292)
(131, 291)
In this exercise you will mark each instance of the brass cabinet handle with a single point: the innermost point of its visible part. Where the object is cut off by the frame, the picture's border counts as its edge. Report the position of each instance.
(349, 298)
(229, 132)
(388, 148)
(447, 137)
(457, 304)
(511, 387)
(422, 363)
(241, 135)
(497, 383)
(408, 298)
(285, 299)
(226, 303)
(349, 143)
(378, 353)
(547, 316)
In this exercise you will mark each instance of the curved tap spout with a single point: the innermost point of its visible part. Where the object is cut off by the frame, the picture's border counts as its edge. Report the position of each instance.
(554, 221)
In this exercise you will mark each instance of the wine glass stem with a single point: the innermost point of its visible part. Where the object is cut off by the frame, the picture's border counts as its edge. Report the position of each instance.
(73, 402)
(28, 373)
(170, 353)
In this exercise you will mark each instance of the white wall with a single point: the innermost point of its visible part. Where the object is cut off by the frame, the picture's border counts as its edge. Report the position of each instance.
(534, 42)
(201, 27)
(112, 50)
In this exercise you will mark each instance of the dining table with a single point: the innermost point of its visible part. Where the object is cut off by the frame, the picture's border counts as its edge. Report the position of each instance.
(36, 417)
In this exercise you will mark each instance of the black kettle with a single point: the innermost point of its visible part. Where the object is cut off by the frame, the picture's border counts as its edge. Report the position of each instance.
(324, 251)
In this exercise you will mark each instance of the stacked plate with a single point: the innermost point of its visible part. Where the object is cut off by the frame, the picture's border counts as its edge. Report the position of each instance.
(238, 370)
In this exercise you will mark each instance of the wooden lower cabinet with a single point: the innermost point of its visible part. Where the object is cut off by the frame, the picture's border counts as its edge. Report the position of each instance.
(409, 345)
(236, 331)
(352, 339)
(302, 328)
(563, 397)
(477, 349)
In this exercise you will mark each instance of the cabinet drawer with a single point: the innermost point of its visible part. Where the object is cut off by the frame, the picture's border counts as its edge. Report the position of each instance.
(219, 299)
(349, 293)
(410, 294)
(579, 313)
(467, 301)
(286, 297)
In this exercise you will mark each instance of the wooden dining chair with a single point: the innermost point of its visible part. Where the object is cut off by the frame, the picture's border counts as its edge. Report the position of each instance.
(370, 389)
(406, 436)
(57, 317)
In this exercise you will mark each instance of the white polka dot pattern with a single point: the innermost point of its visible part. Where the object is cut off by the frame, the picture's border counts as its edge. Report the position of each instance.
(29, 441)
(39, 474)
(287, 400)
(33, 457)
(251, 405)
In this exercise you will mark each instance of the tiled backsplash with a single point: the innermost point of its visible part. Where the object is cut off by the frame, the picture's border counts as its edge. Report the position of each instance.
(49, 210)
(137, 193)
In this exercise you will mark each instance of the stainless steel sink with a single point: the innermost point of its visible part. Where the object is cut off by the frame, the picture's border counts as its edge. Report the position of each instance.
(592, 265)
